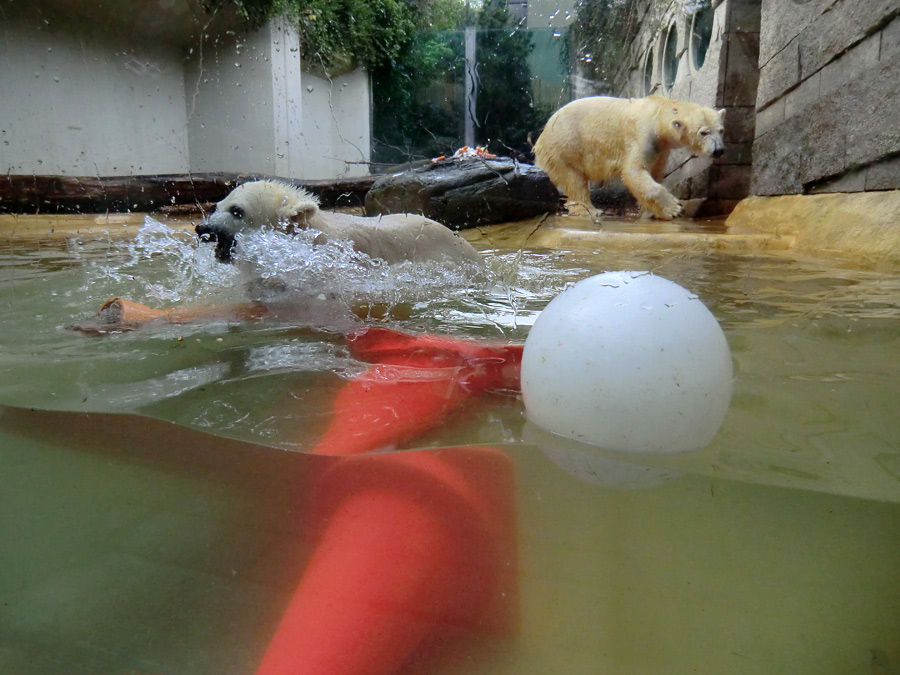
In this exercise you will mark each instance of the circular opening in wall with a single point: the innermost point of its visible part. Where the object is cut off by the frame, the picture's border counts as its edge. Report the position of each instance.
(670, 57)
(648, 72)
(701, 34)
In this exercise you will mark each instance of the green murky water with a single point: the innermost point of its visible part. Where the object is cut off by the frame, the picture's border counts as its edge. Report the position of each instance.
(152, 522)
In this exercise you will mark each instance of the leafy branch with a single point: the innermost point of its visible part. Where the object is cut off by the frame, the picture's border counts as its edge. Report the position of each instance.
(370, 33)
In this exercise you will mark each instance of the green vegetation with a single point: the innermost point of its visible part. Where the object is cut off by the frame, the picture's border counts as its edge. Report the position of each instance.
(418, 102)
(602, 33)
(368, 33)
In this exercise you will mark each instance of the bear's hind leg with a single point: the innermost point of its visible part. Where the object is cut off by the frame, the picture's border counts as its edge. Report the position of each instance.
(576, 187)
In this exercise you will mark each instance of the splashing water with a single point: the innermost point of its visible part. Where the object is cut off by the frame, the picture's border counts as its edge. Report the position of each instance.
(173, 266)
(162, 266)
(181, 269)
(306, 268)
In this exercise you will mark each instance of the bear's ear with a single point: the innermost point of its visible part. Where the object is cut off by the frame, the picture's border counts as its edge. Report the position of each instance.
(721, 114)
(301, 218)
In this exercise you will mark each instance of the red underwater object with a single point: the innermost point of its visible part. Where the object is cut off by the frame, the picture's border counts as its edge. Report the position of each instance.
(412, 386)
(413, 544)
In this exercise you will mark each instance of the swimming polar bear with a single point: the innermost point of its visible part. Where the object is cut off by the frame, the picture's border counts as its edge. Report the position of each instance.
(271, 203)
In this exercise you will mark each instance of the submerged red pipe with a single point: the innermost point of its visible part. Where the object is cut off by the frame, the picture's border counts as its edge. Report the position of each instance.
(412, 545)
(415, 382)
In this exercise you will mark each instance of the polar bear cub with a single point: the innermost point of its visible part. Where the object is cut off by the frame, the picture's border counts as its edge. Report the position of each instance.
(394, 238)
(600, 137)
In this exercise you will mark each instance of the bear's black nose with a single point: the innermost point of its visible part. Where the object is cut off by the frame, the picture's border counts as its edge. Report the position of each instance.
(205, 232)
(718, 152)
(224, 240)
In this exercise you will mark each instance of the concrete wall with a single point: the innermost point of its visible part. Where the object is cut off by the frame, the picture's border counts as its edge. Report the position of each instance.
(253, 109)
(336, 124)
(230, 117)
(76, 99)
(727, 80)
(827, 111)
(87, 90)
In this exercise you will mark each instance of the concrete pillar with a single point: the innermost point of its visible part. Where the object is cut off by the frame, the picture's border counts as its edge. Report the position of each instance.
(471, 85)
(252, 108)
(287, 100)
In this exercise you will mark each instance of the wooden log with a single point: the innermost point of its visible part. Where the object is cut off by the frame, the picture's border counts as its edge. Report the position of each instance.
(122, 194)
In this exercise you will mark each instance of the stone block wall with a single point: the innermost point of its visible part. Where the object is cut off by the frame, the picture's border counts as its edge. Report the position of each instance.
(828, 101)
(725, 181)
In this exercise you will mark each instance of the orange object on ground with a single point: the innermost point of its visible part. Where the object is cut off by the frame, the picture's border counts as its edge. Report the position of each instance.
(124, 313)
(413, 544)
(121, 313)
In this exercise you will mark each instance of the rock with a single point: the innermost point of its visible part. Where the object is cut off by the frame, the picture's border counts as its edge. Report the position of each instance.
(462, 193)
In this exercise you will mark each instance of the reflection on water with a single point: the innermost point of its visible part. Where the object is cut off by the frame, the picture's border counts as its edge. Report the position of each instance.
(131, 545)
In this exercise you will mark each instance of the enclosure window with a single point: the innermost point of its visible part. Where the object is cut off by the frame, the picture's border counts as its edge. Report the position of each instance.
(670, 56)
(647, 83)
(701, 35)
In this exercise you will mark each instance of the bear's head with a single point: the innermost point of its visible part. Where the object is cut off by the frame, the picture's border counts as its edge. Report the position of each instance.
(254, 205)
(697, 128)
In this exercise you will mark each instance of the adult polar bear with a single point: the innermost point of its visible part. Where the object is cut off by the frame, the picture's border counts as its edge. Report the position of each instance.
(600, 137)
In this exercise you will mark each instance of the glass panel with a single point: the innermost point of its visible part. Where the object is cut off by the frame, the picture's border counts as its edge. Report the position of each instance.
(420, 104)
(670, 57)
(701, 33)
(316, 419)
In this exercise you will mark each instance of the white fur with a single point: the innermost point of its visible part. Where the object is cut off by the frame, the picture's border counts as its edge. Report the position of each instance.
(393, 238)
(600, 137)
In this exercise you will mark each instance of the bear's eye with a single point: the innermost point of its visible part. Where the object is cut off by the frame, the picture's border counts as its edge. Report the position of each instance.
(704, 132)
(677, 124)
(236, 211)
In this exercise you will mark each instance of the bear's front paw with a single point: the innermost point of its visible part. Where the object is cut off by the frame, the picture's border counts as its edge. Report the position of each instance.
(666, 207)
(673, 210)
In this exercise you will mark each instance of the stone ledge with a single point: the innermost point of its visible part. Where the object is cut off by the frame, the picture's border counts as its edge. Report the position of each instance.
(579, 233)
(567, 239)
(863, 226)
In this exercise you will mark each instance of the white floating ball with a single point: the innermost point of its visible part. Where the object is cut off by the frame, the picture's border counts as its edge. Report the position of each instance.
(629, 362)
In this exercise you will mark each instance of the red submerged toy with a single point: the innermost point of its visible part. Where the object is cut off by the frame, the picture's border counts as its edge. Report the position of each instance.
(412, 544)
